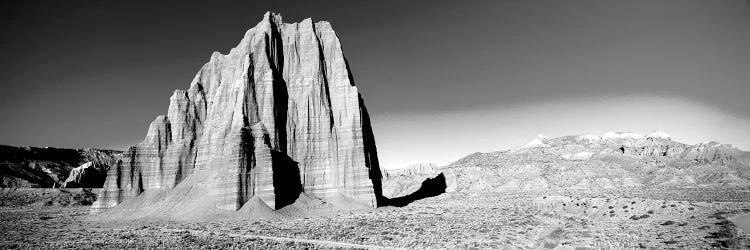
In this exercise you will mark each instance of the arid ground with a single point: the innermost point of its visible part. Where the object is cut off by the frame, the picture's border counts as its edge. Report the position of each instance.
(688, 218)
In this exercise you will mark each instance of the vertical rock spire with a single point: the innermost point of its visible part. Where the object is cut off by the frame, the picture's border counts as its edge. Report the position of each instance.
(277, 116)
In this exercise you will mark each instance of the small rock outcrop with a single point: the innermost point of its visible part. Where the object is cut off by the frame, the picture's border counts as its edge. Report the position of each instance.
(90, 174)
(276, 117)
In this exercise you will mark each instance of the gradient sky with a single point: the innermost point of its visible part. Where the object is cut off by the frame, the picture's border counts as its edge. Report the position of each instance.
(441, 79)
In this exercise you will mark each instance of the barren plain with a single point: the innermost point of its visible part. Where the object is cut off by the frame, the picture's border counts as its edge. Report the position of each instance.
(625, 219)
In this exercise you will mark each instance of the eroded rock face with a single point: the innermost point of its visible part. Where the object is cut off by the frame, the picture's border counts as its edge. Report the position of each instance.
(48, 167)
(276, 116)
(89, 174)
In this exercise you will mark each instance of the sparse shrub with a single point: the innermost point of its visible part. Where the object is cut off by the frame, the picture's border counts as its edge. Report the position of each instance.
(667, 223)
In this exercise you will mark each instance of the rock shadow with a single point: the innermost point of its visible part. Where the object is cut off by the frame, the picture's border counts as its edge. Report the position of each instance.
(287, 184)
(371, 150)
(430, 187)
(275, 56)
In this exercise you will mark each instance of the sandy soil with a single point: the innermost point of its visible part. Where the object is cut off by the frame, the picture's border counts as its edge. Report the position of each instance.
(551, 220)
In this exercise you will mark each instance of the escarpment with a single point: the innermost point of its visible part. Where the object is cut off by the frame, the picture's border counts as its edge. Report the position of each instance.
(276, 117)
(613, 161)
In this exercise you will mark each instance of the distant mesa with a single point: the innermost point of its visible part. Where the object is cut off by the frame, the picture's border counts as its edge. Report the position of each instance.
(612, 161)
(412, 169)
(414, 182)
(275, 120)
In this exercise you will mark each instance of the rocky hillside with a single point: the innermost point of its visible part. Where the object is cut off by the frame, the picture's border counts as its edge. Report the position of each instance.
(48, 167)
(615, 160)
(407, 180)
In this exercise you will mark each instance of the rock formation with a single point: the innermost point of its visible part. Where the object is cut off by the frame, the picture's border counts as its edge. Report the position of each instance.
(412, 169)
(613, 161)
(89, 174)
(22, 167)
(277, 116)
(407, 180)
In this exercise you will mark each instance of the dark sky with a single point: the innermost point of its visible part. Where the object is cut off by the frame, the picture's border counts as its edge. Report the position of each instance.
(95, 73)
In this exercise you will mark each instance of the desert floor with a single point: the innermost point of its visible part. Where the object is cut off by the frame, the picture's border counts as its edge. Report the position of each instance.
(680, 219)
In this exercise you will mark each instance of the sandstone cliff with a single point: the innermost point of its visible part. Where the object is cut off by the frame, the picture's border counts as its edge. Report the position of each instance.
(32, 167)
(276, 117)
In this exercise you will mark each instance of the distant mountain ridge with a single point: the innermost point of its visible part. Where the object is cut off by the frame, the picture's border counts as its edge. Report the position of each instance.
(411, 169)
(51, 167)
(589, 162)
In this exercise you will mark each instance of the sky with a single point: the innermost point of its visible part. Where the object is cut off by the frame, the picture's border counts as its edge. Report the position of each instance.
(441, 79)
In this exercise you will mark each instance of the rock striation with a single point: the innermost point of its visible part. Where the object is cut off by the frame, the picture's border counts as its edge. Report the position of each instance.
(276, 117)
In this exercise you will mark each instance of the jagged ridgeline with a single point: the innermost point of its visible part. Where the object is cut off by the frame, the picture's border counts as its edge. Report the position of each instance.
(276, 118)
